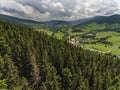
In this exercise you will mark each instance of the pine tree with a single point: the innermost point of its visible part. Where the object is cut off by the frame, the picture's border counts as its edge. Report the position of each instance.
(66, 78)
(48, 73)
(3, 81)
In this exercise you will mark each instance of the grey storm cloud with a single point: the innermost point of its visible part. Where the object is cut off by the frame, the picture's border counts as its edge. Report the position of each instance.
(58, 9)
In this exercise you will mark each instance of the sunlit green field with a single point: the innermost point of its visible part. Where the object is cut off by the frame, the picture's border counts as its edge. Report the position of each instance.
(45, 30)
(105, 34)
(115, 40)
(59, 35)
(114, 48)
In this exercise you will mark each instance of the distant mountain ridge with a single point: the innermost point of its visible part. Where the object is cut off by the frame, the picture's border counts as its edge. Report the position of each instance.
(98, 19)
(113, 19)
(15, 19)
(80, 21)
(29, 22)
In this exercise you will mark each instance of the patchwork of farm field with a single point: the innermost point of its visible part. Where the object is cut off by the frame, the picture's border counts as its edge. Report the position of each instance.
(105, 40)
(99, 37)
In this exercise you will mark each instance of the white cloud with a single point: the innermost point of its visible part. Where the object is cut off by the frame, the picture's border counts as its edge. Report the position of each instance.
(89, 8)
(118, 3)
(59, 9)
(44, 6)
(6, 13)
(29, 12)
(59, 6)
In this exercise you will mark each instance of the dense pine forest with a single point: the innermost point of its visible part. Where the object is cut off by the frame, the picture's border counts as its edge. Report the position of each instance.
(31, 60)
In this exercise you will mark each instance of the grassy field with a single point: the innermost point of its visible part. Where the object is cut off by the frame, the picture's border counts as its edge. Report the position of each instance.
(45, 30)
(104, 34)
(59, 35)
(115, 40)
(104, 48)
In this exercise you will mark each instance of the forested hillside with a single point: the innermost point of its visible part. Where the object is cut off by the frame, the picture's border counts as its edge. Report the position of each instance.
(31, 60)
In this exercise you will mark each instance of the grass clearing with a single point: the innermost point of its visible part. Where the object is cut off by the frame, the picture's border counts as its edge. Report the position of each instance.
(105, 34)
(59, 35)
(44, 30)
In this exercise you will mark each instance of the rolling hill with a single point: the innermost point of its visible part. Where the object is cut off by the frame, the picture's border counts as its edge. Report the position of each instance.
(114, 19)
(17, 20)
(98, 19)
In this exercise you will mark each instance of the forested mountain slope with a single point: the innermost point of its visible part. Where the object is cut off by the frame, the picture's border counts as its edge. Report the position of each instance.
(17, 20)
(31, 60)
(113, 19)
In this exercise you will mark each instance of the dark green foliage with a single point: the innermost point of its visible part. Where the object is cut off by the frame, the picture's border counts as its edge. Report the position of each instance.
(31, 60)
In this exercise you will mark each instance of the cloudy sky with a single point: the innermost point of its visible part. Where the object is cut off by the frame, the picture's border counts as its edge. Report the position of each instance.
(42, 10)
